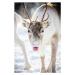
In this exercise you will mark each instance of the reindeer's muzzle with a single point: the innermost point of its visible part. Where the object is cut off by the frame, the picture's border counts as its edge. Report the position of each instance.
(35, 45)
(35, 48)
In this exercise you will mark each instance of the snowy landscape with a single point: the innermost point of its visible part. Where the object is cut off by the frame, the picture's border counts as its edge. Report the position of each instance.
(33, 57)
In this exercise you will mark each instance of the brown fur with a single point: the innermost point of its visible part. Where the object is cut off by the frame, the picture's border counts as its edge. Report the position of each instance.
(54, 43)
(36, 29)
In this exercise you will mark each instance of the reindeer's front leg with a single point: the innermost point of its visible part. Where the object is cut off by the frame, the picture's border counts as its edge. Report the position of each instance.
(43, 64)
(54, 44)
(22, 45)
(42, 56)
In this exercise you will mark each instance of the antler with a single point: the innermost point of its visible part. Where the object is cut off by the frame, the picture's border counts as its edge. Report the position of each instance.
(46, 19)
(26, 12)
(36, 19)
(44, 15)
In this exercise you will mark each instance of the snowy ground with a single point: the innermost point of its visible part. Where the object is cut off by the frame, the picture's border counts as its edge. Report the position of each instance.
(33, 57)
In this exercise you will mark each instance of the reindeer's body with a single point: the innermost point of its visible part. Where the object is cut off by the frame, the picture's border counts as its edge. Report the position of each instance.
(53, 28)
(43, 33)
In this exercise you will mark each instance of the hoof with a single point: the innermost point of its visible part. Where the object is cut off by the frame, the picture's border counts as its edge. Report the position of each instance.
(27, 68)
(49, 70)
(43, 71)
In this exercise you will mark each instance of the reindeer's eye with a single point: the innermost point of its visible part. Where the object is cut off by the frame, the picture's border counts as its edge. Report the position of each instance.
(42, 31)
(28, 31)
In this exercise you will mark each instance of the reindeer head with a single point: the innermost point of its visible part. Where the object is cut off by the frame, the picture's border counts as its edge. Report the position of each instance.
(36, 29)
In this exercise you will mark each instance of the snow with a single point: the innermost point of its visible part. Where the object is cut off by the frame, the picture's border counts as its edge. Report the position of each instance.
(33, 57)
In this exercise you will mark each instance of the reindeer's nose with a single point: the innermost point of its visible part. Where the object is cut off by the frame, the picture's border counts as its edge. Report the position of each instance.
(35, 35)
(35, 43)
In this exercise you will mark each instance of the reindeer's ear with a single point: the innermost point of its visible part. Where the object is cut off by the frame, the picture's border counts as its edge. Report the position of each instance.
(46, 24)
(25, 24)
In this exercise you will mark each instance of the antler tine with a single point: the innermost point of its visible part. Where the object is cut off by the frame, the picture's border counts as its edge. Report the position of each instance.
(46, 19)
(36, 18)
(26, 12)
(23, 15)
(44, 14)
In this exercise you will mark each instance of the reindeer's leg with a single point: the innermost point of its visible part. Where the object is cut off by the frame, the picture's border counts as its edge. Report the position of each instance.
(43, 64)
(50, 68)
(42, 56)
(54, 44)
(22, 45)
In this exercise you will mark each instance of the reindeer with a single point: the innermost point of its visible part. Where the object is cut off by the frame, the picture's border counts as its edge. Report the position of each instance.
(43, 29)
(18, 41)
